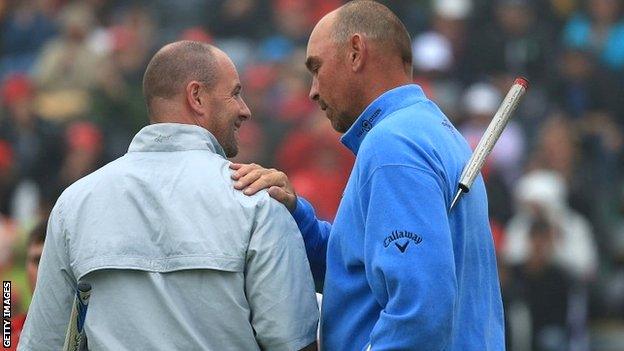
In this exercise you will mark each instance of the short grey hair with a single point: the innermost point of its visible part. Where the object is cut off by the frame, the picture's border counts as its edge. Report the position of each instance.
(377, 22)
(176, 64)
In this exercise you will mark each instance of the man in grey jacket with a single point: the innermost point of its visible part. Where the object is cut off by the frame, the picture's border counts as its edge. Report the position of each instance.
(178, 260)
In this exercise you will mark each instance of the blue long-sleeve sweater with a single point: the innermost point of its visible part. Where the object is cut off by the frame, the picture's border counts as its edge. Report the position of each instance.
(400, 272)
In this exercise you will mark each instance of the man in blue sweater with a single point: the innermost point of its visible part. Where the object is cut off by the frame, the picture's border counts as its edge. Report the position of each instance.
(400, 272)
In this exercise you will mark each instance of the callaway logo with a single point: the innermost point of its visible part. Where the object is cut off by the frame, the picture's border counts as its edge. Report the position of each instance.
(160, 138)
(367, 124)
(403, 247)
(448, 125)
(402, 234)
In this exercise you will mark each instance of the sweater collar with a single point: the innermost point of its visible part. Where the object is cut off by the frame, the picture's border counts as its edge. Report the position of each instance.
(387, 103)
(174, 137)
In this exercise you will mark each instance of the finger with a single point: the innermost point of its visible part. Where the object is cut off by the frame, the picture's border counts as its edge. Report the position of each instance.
(282, 181)
(264, 181)
(245, 169)
(251, 178)
(289, 200)
(236, 166)
(277, 193)
(259, 184)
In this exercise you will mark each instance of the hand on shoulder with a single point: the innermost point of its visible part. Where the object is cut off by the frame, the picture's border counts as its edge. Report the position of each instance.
(251, 178)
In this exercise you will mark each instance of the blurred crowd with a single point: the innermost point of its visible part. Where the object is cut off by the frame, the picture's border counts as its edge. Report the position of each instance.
(70, 101)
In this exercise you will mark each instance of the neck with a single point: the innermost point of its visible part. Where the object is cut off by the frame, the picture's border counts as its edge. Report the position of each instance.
(170, 113)
(172, 118)
(382, 83)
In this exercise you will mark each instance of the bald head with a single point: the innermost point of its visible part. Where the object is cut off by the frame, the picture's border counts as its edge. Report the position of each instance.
(376, 22)
(174, 66)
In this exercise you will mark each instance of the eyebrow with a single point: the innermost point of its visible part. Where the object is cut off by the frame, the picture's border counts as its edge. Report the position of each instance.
(311, 61)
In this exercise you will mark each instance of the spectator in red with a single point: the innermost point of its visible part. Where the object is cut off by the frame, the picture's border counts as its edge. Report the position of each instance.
(83, 155)
(251, 143)
(295, 18)
(321, 175)
(34, 141)
(319, 8)
(8, 233)
(7, 176)
(34, 248)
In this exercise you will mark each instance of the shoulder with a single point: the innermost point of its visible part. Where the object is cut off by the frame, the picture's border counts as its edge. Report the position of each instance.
(83, 186)
(413, 134)
(260, 204)
(414, 122)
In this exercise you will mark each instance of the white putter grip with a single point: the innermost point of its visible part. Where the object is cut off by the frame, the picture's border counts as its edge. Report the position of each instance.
(75, 329)
(492, 133)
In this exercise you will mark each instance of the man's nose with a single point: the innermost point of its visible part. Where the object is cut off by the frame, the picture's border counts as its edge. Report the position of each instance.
(314, 95)
(245, 112)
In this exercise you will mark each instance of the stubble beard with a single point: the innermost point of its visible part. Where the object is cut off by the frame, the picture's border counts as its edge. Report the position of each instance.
(230, 146)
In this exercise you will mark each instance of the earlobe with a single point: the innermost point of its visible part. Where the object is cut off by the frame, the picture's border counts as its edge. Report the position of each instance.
(358, 52)
(196, 96)
(193, 96)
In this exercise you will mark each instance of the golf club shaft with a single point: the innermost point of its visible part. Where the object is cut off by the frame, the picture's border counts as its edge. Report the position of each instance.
(491, 135)
(75, 329)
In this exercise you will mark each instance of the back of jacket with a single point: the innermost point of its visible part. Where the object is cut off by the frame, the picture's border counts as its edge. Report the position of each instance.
(177, 258)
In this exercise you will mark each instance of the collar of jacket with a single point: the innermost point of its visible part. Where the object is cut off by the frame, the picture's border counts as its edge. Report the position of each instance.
(387, 103)
(163, 137)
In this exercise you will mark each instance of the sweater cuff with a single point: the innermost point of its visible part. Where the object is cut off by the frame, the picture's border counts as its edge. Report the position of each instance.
(302, 211)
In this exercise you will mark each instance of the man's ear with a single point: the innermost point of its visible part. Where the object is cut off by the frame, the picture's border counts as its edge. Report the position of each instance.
(357, 52)
(194, 98)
